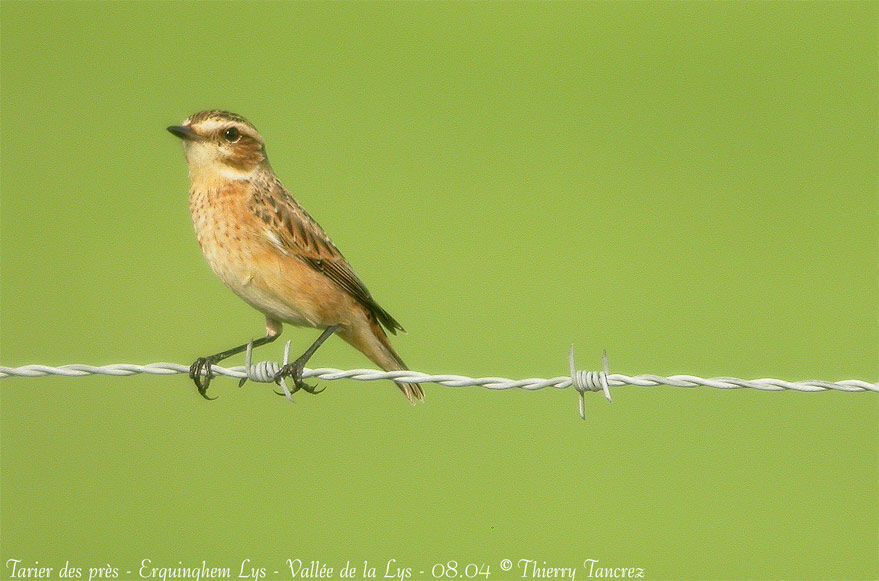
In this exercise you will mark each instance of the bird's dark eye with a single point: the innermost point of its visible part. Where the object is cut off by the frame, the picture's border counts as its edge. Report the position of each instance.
(231, 135)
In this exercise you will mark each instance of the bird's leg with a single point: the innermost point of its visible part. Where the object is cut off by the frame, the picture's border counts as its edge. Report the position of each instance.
(200, 371)
(294, 370)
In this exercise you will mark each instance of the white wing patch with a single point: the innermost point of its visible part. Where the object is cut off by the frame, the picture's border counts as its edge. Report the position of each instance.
(276, 242)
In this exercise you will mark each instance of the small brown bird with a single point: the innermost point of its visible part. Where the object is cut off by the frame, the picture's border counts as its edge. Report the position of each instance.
(271, 253)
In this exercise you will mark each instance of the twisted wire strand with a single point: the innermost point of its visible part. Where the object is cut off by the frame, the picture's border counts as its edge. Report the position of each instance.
(581, 381)
(495, 383)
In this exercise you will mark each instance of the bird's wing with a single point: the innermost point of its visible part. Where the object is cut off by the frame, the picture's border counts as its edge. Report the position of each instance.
(299, 235)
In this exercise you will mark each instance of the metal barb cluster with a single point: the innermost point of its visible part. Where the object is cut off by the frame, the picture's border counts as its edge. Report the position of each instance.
(581, 381)
(266, 371)
(584, 381)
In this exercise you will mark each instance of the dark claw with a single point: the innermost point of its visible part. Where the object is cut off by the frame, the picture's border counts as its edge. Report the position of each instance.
(202, 364)
(312, 389)
(294, 372)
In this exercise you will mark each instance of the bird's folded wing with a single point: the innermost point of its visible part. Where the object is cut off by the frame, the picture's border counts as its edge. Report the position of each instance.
(297, 234)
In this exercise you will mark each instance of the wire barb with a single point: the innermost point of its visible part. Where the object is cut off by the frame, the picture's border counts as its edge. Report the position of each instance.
(584, 381)
(266, 371)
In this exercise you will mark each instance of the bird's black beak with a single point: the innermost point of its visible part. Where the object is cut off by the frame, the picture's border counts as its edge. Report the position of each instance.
(184, 132)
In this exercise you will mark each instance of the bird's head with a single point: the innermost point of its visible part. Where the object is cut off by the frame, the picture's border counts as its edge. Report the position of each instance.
(222, 143)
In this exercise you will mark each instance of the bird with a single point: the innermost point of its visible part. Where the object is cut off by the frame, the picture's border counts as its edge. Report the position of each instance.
(269, 251)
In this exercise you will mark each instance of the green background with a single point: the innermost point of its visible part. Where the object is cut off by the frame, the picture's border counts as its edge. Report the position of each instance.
(692, 187)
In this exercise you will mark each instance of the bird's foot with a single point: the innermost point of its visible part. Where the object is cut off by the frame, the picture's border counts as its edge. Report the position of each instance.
(200, 373)
(294, 372)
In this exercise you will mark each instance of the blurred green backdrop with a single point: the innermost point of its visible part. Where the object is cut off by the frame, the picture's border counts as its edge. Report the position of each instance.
(692, 186)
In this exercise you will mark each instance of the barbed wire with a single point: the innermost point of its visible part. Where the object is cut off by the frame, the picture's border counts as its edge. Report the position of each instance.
(581, 381)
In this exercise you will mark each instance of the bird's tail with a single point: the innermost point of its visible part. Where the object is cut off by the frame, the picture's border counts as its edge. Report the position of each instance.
(374, 343)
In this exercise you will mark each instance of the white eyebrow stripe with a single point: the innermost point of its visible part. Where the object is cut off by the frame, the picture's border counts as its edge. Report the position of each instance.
(211, 125)
(209, 128)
